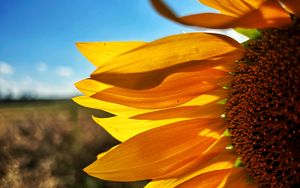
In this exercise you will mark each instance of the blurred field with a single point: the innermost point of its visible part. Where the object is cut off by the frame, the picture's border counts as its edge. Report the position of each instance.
(45, 144)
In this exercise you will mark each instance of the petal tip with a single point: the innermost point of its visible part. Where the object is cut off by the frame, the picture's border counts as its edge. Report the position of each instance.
(80, 45)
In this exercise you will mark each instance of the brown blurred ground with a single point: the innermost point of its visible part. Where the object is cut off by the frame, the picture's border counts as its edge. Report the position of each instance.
(45, 144)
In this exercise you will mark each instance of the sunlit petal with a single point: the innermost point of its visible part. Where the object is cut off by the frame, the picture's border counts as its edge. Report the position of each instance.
(202, 106)
(98, 53)
(214, 150)
(219, 162)
(146, 66)
(155, 152)
(187, 97)
(90, 87)
(227, 178)
(233, 7)
(217, 75)
(175, 90)
(206, 180)
(123, 128)
(127, 111)
(113, 108)
(267, 14)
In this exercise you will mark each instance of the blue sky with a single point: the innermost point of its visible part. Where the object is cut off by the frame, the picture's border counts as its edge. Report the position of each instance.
(37, 37)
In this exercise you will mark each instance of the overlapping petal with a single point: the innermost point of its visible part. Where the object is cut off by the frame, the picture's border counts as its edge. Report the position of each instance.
(216, 75)
(148, 65)
(236, 13)
(113, 108)
(89, 86)
(123, 128)
(98, 53)
(127, 111)
(205, 111)
(233, 7)
(214, 151)
(227, 178)
(223, 160)
(142, 158)
(175, 90)
(165, 97)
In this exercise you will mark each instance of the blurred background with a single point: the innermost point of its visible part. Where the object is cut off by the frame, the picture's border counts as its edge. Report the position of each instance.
(46, 139)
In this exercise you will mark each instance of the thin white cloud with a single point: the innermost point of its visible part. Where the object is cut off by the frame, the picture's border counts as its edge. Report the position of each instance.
(41, 67)
(5, 68)
(29, 86)
(64, 71)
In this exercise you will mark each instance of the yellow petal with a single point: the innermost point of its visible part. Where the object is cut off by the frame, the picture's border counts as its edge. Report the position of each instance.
(157, 151)
(267, 14)
(163, 101)
(127, 111)
(219, 162)
(113, 108)
(227, 178)
(214, 150)
(146, 66)
(123, 128)
(206, 111)
(208, 180)
(292, 6)
(176, 81)
(98, 53)
(233, 7)
(185, 91)
(217, 75)
(203, 106)
(90, 87)
(175, 90)
(104, 153)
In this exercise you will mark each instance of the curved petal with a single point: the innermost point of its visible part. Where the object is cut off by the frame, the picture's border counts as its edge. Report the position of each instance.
(267, 14)
(123, 128)
(169, 85)
(98, 53)
(158, 151)
(145, 67)
(89, 86)
(293, 6)
(127, 111)
(208, 180)
(113, 108)
(163, 101)
(214, 150)
(203, 106)
(233, 7)
(175, 90)
(206, 111)
(222, 161)
(234, 177)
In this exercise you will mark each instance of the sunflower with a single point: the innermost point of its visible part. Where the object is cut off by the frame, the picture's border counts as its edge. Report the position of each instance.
(200, 109)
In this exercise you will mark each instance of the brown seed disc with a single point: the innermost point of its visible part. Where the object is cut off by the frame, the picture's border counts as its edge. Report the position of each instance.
(264, 108)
